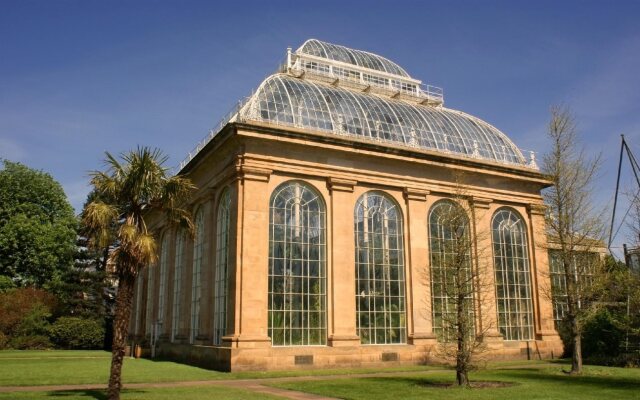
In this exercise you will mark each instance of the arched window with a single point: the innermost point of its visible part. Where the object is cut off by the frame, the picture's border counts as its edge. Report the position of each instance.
(451, 273)
(380, 302)
(513, 285)
(222, 269)
(198, 247)
(178, 273)
(150, 287)
(139, 281)
(162, 286)
(297, 266)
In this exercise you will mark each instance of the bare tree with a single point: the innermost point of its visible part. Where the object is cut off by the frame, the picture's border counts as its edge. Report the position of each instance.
(458, 284)
(574, 224)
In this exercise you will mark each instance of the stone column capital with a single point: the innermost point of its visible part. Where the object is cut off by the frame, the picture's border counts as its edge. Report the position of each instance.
(481, 202)
(537, 209)
(415, 194)
(249, 173)
(340, 185)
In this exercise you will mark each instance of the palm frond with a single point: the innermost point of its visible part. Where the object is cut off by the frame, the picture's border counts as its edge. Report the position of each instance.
(99, 219)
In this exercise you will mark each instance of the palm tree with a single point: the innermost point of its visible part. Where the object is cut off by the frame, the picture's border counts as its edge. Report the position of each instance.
(129, 189)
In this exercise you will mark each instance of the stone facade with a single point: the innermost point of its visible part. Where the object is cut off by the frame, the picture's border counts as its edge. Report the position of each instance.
(251, 160)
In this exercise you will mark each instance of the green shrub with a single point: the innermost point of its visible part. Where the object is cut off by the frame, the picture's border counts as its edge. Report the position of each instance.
(31, 342)
(6, 284)
(77, 333)
(25, 310)
(602, 336)
(4, 341)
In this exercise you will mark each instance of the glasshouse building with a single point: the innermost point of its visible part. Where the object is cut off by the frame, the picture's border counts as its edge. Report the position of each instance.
(318, 230)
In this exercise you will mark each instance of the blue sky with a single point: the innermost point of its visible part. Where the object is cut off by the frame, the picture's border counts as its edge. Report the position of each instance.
(78, 78)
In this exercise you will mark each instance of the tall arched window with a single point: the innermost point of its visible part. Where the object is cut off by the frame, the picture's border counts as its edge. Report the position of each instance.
(162, 286)
(178, 273)
(222, 269)
(451, 273)
(380, 302)
(513, 282)
(198, 247)
(297, 266)
(139, 281)
(150, 287)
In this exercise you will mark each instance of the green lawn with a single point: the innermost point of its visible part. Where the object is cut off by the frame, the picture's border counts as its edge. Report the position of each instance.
(531, 380)
(186, 393)
(528, 383)
(32, 368)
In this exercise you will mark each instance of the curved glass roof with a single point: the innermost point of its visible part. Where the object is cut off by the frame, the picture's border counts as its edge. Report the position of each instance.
(284, 99)
(343, 54)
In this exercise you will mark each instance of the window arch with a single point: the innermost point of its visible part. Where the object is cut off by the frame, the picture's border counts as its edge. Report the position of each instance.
(198, 247)
(380, 298)
(513, 282)
(222, 268)
(297, 266)
(451, 269)
(178, 276)
(162, 285)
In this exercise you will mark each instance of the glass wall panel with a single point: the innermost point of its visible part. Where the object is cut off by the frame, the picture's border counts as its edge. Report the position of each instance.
(164, 262)
(297, 266)
(380, 291)
(150, 287)
(451, 274)
(198, 247)
(583, 267)
(513, 281)
(178, 273)
(221, 280)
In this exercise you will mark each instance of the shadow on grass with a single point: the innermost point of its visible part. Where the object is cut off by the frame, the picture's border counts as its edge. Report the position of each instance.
(89, 393)
(440, 383)
(587, 380)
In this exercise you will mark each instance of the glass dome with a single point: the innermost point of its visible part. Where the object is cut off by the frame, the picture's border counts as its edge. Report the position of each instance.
(286, 100)
(343, 54)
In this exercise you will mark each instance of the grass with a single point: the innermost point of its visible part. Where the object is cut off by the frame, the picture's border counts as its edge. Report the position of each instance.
(190, 393)
(36, 368)
(535, 380)
(10, 354)
(548, 383)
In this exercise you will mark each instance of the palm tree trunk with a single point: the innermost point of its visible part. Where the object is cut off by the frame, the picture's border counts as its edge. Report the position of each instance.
(120, 333)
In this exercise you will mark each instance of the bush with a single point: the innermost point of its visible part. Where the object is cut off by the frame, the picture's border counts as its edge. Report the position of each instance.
(23, 310)
(6, 283)
(31, 342)
(602, 336)
(4, 341)
(77, 333)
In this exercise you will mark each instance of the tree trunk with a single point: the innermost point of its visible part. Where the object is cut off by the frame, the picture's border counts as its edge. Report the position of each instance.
(572, 315)
(576, 358)
(462, 378)
(124, 298)
(462, 361)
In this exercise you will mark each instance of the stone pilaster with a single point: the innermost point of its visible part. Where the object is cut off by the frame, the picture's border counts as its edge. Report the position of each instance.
(487, 317)
(342, 295)
(250, 281)
(420, 325)
(540, 275)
